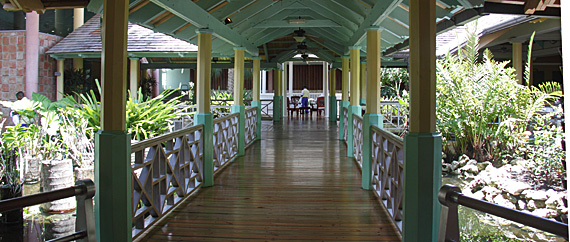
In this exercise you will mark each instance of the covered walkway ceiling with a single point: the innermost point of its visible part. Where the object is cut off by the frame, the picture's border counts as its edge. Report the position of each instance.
(266, 27)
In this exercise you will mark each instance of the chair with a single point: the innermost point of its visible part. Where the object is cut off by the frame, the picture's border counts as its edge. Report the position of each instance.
(292, 106)
(320, 105)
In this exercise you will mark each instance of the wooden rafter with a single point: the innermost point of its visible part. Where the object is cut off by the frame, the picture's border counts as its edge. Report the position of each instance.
(163, 17)
(536, 5)
(138, 6)
(182, 28)
(218, 6)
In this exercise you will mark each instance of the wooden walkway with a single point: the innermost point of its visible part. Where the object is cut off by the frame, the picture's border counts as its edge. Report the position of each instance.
(295, 185)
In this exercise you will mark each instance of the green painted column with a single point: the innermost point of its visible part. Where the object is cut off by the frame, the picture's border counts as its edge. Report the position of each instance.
(113, 181)
(238, 106)
(332, 96)
(344, 103)
(422, 180)
(256, 93)
(373, 115)
(354, 108)
(203, 114)
(422, 146)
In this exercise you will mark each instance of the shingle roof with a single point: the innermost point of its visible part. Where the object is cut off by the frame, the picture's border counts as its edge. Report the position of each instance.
(87, 39)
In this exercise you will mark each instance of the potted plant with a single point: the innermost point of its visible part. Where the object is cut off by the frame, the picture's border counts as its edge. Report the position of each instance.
(10, 179)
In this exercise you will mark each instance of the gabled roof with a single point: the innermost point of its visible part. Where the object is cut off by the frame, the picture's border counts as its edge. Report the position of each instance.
(86, 42)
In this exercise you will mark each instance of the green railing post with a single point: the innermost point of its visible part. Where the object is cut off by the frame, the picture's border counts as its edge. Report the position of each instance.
(332, 109)
(368, 120)
(207, 147)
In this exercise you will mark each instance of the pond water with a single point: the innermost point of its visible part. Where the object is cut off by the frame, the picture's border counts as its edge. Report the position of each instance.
(37, 226)
(473, 223)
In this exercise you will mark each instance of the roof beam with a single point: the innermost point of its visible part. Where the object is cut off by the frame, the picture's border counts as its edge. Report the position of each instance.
(194, 14)
(379, 12)
(307, 24)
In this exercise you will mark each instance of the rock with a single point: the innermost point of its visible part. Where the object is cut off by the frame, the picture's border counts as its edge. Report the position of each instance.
(539, 204)
(514, 187)
(521, 205)
(502, 201)
(445, 167)
(553, 202)
(471, 162)
(535, 195)
(463, 159)
(490, 193)
(530, 205)
(546, 213)
(472, 169)
(476, 185)
(483, 165)
(454, 165)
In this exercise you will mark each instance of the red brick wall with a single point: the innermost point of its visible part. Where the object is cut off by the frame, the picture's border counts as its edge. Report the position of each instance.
(13, 64)
(48, 66)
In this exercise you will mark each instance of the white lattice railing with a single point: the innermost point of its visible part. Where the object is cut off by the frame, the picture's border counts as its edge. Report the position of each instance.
(395, 116)
(267, 108)
(358, 138)
(250, 125)
(165, 169)
(388, 171)
(226, 133)
(345, 124)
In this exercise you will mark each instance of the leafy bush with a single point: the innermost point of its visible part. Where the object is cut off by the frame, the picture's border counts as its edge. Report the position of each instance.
(394, 82)
(481, 109)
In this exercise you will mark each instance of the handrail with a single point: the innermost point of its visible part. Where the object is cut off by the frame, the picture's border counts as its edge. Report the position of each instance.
(388, 135)
(224, 118)
(84, 190)
(450, 196)
(358, 138)
(139, 145)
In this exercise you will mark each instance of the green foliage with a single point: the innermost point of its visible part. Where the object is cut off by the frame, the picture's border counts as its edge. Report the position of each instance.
(528, 60)
(480, 107)
(146, 86)
(394, 82)
(151, 117)
(545, 152)
(78, 81)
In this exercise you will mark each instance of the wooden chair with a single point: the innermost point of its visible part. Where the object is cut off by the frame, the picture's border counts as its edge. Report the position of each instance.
(292, 107)
(320, 106)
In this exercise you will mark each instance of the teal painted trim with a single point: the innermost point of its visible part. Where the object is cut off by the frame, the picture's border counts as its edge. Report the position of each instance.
(113, 181)
(332, 109)
(352, 110)
(257, 104)
(422, 180)
(363, 101)
(368, 120)
(241, 136)
(208, 147)
(277, 108)
(341, 123)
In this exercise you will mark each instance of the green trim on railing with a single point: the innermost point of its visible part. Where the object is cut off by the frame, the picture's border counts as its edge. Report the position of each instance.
(369, 120)
(277, 108)
(207, 120)
(257, 104)
(343, 104)
(333, 109)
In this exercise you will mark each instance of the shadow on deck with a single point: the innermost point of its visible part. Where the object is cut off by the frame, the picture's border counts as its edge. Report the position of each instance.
(296, 184)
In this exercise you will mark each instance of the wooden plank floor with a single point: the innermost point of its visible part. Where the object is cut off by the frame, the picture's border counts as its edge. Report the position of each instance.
(295, 185)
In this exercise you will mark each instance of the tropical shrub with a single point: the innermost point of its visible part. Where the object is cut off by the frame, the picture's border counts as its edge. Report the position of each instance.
(481, 109)
(394, 82)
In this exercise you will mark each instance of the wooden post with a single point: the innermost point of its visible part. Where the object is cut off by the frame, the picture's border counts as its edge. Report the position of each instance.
(422, 146)
(256, 92)
(78, 20)
(60, 78)
(203, 114)
(332, 96)
(238, 106)
(363, 82)
(113, 201)
(372, 101)
(134, 77)
(354, 108)
(344, 103)
(518, 62)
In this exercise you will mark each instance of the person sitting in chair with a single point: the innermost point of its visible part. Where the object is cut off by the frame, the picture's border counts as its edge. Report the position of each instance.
(305, 100)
